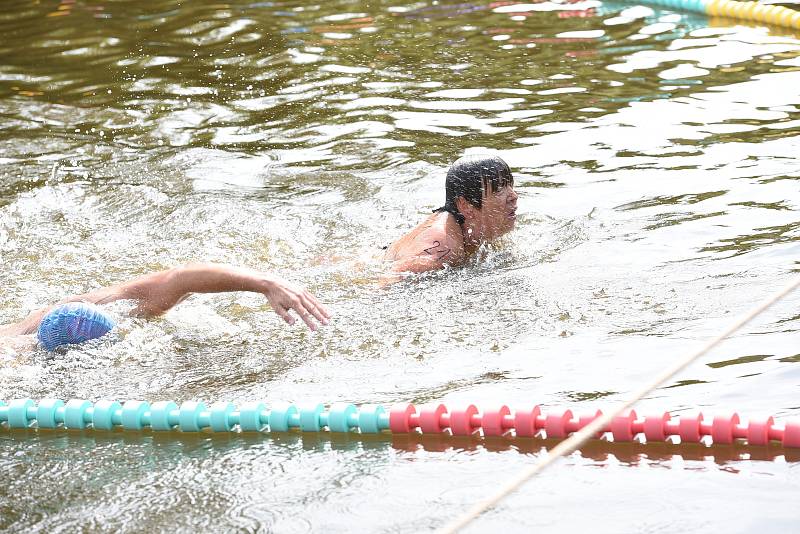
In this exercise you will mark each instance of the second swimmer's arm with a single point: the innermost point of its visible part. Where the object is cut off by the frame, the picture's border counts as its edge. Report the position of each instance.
(158, 292)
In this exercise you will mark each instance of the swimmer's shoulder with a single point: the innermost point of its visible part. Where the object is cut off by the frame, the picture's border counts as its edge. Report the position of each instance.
(436, 241)
(442, 232)
(433, 248)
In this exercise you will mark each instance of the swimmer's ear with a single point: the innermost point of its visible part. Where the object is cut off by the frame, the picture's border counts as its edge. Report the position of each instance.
(465, 207)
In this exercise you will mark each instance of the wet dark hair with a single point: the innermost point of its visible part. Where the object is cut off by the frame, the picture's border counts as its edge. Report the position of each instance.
(470, 177)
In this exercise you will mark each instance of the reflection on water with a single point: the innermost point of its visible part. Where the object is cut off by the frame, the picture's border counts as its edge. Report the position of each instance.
(655, 156)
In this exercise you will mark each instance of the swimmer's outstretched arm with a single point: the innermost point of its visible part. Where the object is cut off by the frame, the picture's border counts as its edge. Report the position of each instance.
(160, 291)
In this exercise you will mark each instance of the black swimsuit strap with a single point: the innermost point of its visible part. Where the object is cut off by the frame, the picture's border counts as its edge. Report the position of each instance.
(453, 211)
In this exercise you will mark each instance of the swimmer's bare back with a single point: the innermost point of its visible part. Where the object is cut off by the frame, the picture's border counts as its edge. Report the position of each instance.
(435, 243)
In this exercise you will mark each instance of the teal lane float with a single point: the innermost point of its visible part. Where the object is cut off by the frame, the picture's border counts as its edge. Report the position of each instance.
(192, 416)
(434, 418)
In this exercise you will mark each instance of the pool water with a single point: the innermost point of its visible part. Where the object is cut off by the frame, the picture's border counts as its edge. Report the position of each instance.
(655, 154)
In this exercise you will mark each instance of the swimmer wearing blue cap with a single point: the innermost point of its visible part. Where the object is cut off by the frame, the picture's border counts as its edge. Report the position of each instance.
(78, 318)
(73, 323)
(480, 206)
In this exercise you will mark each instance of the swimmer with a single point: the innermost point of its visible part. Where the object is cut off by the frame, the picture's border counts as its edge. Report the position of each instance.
(154, 294)
(480, 206)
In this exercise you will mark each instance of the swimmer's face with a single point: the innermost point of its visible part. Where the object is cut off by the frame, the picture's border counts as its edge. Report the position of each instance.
(499, 211)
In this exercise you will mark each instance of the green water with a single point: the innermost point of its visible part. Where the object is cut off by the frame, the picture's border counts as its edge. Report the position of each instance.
(655, 154)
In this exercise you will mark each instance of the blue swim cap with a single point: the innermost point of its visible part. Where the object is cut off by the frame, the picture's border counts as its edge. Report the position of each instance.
(74, 322)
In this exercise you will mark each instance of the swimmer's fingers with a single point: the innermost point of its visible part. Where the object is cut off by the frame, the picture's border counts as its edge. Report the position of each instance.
(294, 302)
(306, 311)
(284, 313)
(316, 308)
(284, 296)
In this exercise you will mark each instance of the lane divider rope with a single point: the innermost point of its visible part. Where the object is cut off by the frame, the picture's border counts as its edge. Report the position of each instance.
(432, 418)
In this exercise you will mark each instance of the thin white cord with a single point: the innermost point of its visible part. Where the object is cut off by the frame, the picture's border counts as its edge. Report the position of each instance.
(585, 434)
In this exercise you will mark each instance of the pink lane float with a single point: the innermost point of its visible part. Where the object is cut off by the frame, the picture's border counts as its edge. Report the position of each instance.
(528, 422)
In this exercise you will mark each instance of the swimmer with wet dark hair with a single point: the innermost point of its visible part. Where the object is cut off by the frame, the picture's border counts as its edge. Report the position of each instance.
(78, 318)
(480, 206)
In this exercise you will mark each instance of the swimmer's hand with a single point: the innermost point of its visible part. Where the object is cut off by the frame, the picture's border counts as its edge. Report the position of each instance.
(284, 296)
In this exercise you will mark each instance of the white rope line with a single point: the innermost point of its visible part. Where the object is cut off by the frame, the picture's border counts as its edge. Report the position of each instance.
(586, 433)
